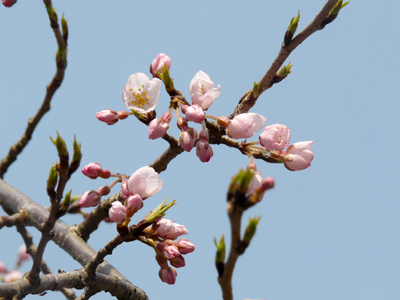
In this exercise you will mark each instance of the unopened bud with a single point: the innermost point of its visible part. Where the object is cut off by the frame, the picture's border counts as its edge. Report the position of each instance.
(251, 229)
(123, 114)
(104, 190)
(105, 174)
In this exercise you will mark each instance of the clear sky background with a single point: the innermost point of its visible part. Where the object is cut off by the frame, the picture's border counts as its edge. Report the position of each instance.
(329, 232)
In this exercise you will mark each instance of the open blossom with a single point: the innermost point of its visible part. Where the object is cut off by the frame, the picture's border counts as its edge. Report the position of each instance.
(298, 156)
(108, 116)
(117, 212)
(144, 182)
(202, 90)
(140, 93)
(245, 125)
(275, 137)
(158, 64)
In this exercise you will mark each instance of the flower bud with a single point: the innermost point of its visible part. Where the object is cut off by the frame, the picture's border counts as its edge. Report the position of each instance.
(123, 114)
(184, 246)
(194, 113)
(178, 262)
(187, 138)
(158, 64)
(108, 116)
(9, 3)
(117, 212)
(157, 128)
(299, 156)
(92, 170)
(168, 275)
(204, 151)
(104, 190)
(275, 137)
(245, 125)
(134, 203)
(22, 255)
(105, 174)
(89, 199)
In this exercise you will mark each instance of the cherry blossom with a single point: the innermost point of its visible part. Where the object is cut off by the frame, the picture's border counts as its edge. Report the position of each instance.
(245, 125)
(144, 182)
(89, 199)
(158, 64)
(117, 212)
(275, 137)
(299, 156)
(108, 116)
(202, 90)
(140, 93)
(92, 170)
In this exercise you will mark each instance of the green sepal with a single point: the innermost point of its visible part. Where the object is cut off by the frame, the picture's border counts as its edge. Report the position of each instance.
(251, 229)
(64, 27)
(159, 211)
(338, 6)
(52, 13)
(60, 144)
(166, 79)
(240, 184)
(256, 90)
(220, 256)
(53, 177)
(61, 54)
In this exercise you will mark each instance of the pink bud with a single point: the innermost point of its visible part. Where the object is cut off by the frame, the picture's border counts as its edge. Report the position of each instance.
(108, 116)
(105, 174)
(124, 191)
(134, 203)
(157, 128)
(194, 113)
(89, 199)
(184, 246)
(245, 125)
(169, 251)
(123, 114)
(22, 254)
(158, 64)
(3, 268)
(299, 156)
(178, 262)
(9, 3)
(168, 275)
(104, 190)
(178, 231)
(163, 227)
(187, 138)
(13, 276)
(275, 137)
(92, 170)
(117, 212)
(204, 151)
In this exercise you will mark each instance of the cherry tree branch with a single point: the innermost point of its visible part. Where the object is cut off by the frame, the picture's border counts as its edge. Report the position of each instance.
(66, 238)
(52, 87)
(266, 81)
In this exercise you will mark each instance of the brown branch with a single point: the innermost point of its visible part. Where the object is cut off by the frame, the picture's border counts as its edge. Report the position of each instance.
(174, 149)
(14, 220)
(13, 201)
(52, 87)
(266, 81)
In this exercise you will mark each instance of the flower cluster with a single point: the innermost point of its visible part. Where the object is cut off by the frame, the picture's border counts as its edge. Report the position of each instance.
(297, 157)
(163, 234)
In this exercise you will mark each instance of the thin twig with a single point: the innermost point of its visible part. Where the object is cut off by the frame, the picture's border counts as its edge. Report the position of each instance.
(265, 82)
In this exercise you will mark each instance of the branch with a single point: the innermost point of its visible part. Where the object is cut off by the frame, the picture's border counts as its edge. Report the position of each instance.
(161, 163)
(266, 81)
(52, 87)
(13, 201)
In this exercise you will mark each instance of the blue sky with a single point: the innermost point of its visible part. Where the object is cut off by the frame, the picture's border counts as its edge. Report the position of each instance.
(328, 232)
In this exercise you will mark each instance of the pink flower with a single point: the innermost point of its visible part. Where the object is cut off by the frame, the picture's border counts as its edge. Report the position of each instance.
(144, 182)
(134, 203)
(158, 127)
(163, 227)
(9, 3)
(169, 251)
(202, 90)
(140, 93)
(298, 156)
(187, 138)
(203, 149)
(168, 275)
(245, 125)
(89, 199)
(178, 231)
(259, 185)
(13, 276)
(184, 246)
(92, 170)
(275, 137)
(158, 64)
(108, 116)
(178, 262)
(3, 268)
(117, 212)
(124, 189)
(194, 113)
(22, 254)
